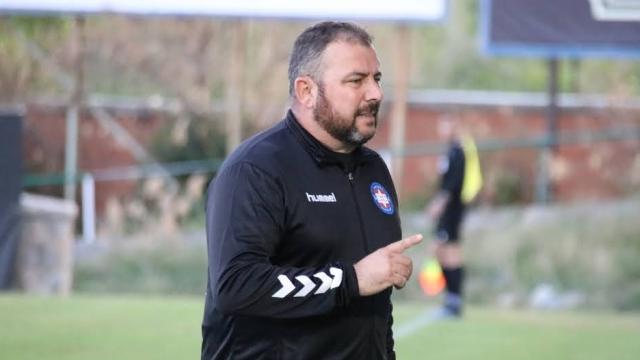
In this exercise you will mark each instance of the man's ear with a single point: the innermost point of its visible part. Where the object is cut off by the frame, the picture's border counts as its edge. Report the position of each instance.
(305, 90)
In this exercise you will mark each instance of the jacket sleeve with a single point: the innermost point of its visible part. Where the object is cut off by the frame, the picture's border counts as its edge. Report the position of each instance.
(245, 222)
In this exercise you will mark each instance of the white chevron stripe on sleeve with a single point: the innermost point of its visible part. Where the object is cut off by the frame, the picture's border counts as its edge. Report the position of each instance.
(326, 282)
(308, 286)
(287, 287)
(337, 277)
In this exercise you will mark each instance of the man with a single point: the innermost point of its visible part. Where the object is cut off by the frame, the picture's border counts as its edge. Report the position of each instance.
(302, 220)
(447, 208)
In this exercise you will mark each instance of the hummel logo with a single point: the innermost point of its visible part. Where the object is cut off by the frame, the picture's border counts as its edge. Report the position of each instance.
(321, 198)
(326, 283)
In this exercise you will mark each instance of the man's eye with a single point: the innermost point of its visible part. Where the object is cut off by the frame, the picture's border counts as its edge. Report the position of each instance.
(355, 81)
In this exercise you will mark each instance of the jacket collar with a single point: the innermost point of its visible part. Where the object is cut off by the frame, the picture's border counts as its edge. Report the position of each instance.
(320, 153)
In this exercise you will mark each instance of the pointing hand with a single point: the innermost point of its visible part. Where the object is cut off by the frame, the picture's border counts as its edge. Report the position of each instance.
(386, 266)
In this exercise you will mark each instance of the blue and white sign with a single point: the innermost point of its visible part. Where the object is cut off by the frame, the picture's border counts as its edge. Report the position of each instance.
(381, 198)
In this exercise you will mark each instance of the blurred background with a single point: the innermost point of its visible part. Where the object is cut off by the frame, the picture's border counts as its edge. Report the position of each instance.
(114, 118)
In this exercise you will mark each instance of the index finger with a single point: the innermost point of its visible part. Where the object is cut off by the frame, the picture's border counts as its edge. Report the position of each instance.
(404, 244)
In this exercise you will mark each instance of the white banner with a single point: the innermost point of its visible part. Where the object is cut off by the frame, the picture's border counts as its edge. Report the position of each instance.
(390, 10)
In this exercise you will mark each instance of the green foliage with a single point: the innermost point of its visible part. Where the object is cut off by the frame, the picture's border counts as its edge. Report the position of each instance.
(575, 250)
(162, 269)
(20, 74)
(510, 251)
(627, 284)
(508, 188)
(588, 249)
(33, 26)
(448, 55)
(203, 140)
(135, 60)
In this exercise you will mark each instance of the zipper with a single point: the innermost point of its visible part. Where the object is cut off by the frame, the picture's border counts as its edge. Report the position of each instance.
(359, 211)
(373, 299)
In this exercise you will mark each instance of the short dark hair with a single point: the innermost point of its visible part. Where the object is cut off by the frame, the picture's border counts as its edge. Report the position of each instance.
(309, 46)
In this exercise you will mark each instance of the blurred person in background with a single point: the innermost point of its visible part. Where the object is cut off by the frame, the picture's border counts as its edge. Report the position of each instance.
(460, 181)
(303, 230)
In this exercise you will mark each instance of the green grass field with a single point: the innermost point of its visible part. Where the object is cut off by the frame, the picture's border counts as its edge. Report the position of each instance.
(135, 327)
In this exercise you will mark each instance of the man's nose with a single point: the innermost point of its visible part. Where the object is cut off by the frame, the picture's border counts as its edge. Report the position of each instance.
(374, 91)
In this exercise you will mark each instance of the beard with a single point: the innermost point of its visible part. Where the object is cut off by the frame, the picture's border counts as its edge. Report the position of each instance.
(340, 127)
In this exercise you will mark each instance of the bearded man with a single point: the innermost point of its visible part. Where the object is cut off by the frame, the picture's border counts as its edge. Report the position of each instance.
(303, 233)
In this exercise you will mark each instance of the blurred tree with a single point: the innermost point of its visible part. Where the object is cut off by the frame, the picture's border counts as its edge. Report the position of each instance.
(185, 140)
(187, 58)
(20, 74)
(449, 56)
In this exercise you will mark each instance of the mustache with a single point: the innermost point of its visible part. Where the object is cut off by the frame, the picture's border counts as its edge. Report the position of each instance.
(369, 109)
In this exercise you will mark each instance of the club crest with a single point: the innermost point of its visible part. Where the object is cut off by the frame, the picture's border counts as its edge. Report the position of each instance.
(381, 198)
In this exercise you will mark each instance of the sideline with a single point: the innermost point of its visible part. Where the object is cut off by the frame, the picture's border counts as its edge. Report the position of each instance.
(426, 318)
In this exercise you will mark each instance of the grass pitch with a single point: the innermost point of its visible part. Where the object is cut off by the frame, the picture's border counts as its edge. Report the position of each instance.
(522, 335)
(135, 327)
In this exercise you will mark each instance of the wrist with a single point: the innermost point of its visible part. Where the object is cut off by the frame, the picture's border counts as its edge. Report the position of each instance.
(352, 282)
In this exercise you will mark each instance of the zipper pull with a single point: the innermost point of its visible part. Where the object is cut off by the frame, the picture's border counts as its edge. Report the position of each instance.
(350, 176)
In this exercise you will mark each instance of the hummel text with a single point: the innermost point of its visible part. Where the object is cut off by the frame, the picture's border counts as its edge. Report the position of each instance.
(321, 198)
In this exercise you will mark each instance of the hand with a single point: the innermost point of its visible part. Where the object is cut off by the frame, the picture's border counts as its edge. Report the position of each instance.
(436, 207)
(433, 211)
(385, 267)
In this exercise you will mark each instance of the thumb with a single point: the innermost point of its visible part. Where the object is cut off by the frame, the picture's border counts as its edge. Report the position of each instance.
(404, 244)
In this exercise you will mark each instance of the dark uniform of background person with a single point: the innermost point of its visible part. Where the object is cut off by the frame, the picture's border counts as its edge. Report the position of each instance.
(448, 209)
(303, 231)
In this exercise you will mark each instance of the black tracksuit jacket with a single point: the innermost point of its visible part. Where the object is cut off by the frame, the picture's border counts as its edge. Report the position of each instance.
(286, 221)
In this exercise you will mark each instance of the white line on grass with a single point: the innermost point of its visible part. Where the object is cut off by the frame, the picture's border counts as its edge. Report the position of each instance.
(423, 320)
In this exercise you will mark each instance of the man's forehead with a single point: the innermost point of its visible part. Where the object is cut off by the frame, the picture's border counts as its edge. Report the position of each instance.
(350, 56)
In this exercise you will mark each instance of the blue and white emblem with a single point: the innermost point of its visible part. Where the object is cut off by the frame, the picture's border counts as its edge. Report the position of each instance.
(381, 198)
